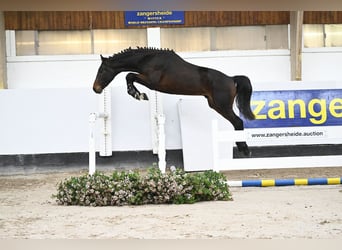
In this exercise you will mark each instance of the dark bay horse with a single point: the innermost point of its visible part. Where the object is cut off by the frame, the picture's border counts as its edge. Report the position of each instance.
(163, 70)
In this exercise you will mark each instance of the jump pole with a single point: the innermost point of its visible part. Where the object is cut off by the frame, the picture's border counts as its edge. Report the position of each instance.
(285, 182)
(156, 109)
(92, 151)
(106, 139)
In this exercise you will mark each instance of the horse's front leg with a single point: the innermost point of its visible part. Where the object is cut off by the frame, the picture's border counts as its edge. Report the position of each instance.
(132, 90)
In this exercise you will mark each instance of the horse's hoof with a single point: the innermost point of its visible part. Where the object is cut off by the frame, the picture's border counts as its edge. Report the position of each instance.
(143, 96)
(137, 96)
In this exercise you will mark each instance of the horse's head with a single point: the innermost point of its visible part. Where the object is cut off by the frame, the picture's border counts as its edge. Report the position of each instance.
(104, 76)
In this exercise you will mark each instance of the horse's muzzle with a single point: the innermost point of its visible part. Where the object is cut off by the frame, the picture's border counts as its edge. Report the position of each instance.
(97, 88)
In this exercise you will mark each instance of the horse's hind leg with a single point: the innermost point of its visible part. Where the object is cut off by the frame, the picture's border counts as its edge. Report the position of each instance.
(225, 109)
(238, 125)
(131, 89)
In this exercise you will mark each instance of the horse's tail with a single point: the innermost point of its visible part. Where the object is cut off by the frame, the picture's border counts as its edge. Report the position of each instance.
(243, 97)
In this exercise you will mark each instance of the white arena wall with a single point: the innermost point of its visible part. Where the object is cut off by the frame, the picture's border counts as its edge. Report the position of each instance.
(46, 108)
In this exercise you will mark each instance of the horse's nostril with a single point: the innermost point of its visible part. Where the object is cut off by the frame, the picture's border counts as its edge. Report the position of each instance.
(97, 89)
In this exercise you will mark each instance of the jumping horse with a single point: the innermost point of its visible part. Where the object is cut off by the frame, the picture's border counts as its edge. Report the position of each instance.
(163, 70)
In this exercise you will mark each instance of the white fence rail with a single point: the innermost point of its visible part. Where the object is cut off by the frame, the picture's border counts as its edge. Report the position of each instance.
(229, 163)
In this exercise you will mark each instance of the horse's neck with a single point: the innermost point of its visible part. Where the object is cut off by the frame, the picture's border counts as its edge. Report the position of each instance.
(130, 63)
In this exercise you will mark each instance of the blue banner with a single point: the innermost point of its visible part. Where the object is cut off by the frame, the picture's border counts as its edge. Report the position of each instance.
(136, 18)
(296, 108)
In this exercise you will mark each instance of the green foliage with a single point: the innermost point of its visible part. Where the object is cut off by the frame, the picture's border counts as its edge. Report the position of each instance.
(131, 188)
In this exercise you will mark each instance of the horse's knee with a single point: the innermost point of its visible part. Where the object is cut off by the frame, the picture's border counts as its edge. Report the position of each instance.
(130, 77)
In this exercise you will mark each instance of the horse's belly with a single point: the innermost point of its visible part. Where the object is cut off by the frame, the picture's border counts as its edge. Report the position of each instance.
(181, 85)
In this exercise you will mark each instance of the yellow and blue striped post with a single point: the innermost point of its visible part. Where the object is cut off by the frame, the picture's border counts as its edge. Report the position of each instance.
(285, 182)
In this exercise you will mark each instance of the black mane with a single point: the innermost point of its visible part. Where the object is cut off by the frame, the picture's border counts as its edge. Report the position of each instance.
(129, 51)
